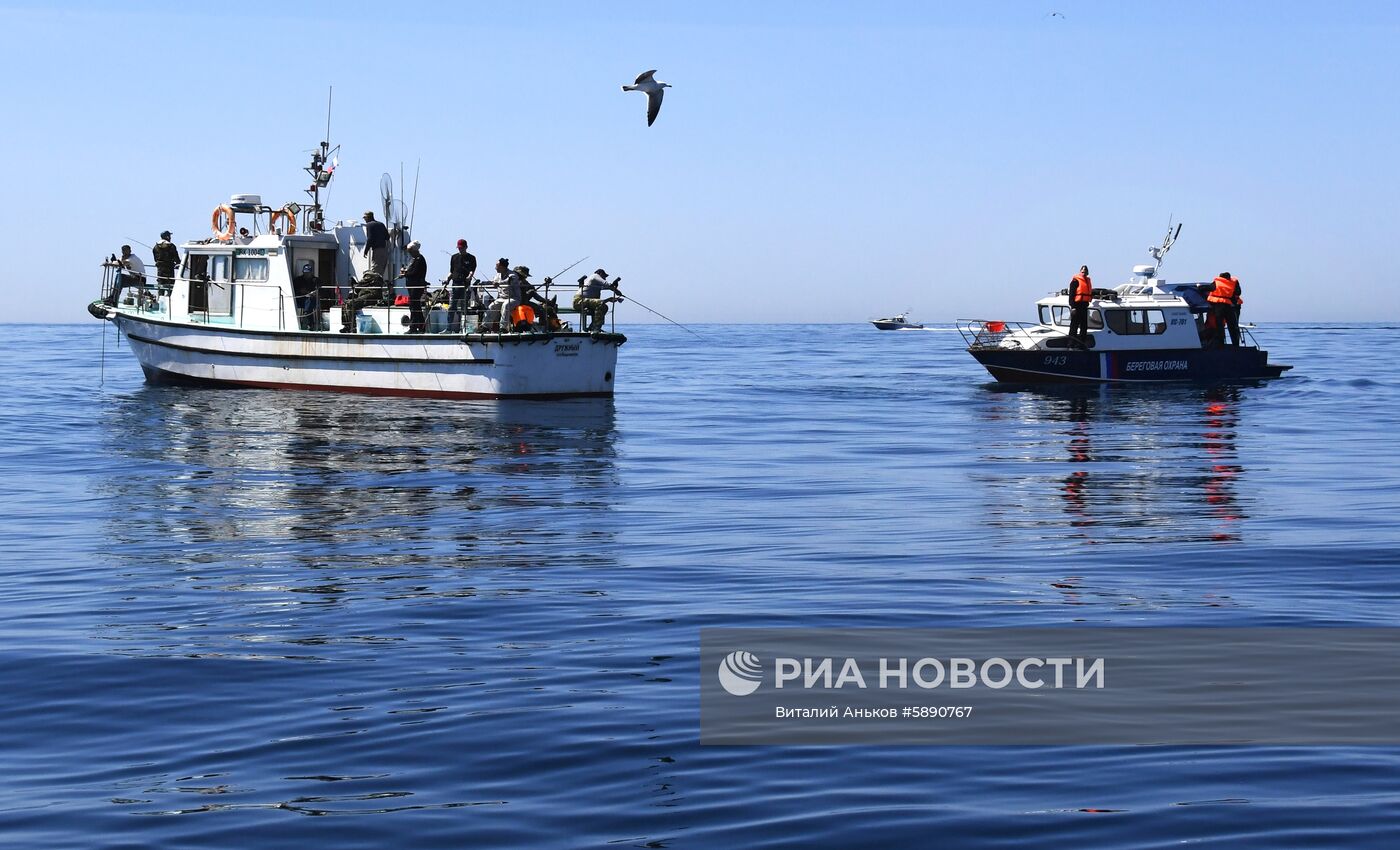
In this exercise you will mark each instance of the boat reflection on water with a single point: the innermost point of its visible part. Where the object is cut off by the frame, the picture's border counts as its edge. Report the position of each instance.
(320, 467)
(273, 499)
(1117, 464)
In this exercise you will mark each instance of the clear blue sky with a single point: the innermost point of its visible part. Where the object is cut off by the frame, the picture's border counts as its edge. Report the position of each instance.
(814, 162)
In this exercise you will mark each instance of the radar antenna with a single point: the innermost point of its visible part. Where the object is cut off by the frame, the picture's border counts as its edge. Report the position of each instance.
(1159, 251)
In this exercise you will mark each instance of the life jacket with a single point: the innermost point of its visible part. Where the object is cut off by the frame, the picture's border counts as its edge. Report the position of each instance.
(1225, 292)
(1081, 289)
(524, 313)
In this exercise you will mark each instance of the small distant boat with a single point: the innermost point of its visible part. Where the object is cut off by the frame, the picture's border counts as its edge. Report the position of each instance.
(899, 322)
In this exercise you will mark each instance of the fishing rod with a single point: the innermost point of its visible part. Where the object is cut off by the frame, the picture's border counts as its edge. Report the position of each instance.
(551, 278)
(139, 242)
(662, 315)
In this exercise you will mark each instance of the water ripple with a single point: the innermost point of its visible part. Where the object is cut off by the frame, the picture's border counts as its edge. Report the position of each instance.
(475, 623)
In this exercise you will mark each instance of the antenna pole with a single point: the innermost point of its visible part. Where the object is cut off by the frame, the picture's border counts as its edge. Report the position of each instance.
(330, 92)
(413, 211)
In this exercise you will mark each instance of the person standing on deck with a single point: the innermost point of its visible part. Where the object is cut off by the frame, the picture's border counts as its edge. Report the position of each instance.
(415, 276)
(1081, 292)
(167, 257)
(589, 300)
(461, 272)
(376, 244)
(305, 286)
(1225, 302)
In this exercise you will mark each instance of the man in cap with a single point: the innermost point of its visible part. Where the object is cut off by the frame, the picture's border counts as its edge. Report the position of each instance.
(462, 272)
(167, 257)
(376, 244)
(415, 280)
(492, 318)
(524, 292)
(589, 300)
(305, 287)
(511, 287)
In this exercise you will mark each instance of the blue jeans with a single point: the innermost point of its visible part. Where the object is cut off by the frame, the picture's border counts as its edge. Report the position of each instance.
(123, 281)
(308, 314)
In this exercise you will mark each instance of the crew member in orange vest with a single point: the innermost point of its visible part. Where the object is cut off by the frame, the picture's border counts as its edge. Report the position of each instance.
(1081, 292)
(1225, 300)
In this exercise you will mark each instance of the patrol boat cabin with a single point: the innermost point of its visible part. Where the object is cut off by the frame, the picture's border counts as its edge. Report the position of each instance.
(1146, 330)
(229, 315)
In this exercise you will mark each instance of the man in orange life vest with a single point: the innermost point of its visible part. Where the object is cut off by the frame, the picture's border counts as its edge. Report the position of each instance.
(1225, 301)
(1081, 292)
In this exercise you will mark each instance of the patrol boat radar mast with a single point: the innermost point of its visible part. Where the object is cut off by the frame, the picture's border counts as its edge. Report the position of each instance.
(1159, 251)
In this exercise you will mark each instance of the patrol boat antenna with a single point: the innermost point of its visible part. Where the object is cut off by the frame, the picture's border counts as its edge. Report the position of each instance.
(1160, 251)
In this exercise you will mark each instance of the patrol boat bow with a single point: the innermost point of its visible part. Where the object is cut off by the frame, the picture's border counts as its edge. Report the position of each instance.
(1143, 331)
(229, 318)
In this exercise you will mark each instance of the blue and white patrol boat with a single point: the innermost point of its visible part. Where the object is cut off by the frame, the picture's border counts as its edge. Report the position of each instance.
(229, 317)
(1143, 331)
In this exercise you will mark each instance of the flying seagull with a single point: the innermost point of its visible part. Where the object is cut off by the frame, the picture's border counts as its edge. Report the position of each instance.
(646, 82)
(1059, 15)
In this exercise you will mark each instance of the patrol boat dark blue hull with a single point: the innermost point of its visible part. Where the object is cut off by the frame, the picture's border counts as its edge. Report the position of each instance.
(1138, 366)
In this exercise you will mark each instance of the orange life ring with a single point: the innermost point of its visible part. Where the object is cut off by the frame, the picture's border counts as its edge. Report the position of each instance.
(282, 213)
(223, 232)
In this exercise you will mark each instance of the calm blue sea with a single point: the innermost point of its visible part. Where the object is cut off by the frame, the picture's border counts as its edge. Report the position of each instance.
(259, 619)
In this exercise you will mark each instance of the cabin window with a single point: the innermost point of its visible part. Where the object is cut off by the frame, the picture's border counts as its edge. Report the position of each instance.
(1060, 315)
(1137, 322)
(250, 268)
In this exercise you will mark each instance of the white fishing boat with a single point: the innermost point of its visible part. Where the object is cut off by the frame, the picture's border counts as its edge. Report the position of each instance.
(229, 317)
(898, 322)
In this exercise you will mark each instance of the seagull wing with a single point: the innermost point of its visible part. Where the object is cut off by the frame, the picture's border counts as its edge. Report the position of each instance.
(645, 75)
(654, 105)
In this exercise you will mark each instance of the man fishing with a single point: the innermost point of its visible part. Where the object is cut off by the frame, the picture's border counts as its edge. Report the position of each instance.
(589, 299)
(131, 271)
(461, 273)
(415, 276)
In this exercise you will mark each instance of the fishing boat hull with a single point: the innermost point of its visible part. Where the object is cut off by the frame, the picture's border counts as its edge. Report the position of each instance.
(1137, 366)
(538, 366)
